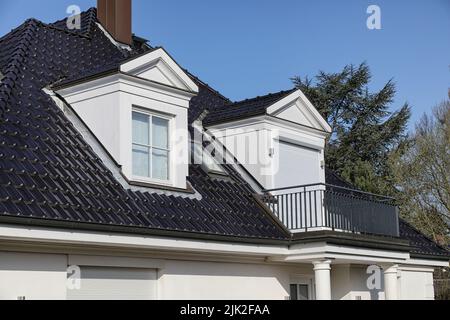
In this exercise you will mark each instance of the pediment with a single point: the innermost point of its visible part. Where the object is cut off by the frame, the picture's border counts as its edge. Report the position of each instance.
(295, 114)
(298, 109)
(159, 67)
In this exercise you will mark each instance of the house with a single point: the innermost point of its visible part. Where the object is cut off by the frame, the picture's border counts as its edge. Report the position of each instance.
(124, 176)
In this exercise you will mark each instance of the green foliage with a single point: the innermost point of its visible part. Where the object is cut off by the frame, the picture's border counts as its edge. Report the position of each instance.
(422, 172)
(364, 130)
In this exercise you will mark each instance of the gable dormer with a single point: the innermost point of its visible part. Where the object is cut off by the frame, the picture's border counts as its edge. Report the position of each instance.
(159, 66)
(279, 138)
(296, 108)
(139, 112)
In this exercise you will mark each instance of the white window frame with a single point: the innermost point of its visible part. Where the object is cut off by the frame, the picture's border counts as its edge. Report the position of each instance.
(169, 150)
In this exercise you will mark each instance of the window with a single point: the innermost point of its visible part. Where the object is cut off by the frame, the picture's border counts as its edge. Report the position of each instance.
(151, 148)
(300, 292)
(302, 287)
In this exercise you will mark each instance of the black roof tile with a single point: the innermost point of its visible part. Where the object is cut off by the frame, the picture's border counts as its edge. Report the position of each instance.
(244, 109)
(421, 244)
(47, 170)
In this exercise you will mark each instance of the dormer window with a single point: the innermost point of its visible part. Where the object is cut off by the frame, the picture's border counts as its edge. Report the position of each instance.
(151, 147)
(139, 112)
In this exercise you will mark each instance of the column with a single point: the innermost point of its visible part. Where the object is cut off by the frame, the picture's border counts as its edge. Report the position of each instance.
(390, 282)
(322, 271)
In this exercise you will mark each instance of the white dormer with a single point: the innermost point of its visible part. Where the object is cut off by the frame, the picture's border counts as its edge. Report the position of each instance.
(158, 66)
(284, 146)
(139, 112)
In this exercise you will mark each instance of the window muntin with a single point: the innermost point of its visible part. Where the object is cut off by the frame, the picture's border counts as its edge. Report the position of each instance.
(151, 147)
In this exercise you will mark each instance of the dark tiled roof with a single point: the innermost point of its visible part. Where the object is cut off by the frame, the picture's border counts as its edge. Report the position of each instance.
(49, 173)
(332, 178)
(88, 20)
(420, 244)
(244, 109)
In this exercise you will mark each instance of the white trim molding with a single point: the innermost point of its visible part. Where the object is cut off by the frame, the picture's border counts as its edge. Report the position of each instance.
(276, 253)
(158, 66)
(299, 100)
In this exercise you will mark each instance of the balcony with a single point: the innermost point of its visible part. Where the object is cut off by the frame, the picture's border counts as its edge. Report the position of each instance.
(327, 207)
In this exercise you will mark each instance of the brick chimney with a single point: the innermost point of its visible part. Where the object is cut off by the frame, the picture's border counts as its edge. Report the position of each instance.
(115, 17)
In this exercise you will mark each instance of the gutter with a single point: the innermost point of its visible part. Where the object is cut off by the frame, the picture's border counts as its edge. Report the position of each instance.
(82, 226)
(355, 240)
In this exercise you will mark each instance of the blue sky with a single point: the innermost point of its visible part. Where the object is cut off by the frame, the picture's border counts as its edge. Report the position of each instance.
(252, 47)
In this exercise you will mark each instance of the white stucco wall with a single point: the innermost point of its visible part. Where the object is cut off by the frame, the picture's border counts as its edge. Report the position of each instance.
(43, 276)
(255, 143)
(349, 282)
(227, 281)
(34, 276)
(106, 106)
(416, 284)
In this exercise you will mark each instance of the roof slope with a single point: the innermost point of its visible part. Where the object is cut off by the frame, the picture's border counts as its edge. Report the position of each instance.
(245, 109)
(48, 173)
(420, 244)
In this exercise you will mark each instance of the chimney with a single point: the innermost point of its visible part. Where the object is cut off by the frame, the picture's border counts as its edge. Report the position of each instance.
(115, 17)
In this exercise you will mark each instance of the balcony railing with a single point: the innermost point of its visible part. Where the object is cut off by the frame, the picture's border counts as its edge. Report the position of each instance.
(321, 206)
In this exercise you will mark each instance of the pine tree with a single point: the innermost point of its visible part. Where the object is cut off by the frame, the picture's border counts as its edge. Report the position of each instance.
(364, 130)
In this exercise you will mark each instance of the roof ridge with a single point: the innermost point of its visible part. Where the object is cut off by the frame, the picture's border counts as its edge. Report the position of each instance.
(12, 70)
(91, 14)
(207, 86)
(271, 94)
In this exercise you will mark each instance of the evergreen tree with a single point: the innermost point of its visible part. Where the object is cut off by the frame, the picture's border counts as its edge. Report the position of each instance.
(365, 132)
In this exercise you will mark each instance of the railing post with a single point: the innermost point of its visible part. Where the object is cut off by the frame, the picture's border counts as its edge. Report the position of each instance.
(306, 210)
(397, 223)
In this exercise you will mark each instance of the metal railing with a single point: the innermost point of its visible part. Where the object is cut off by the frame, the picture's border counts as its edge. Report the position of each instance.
(322, 206)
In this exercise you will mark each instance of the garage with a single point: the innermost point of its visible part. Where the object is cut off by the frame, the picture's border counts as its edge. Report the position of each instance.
(106, 283)
(293, 159)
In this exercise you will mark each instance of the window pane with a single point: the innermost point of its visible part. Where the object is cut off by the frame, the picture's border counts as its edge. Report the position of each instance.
(160, 132)
(303, 292)
(141, 130)
(160, 161)
(294, 292)
(141, 163)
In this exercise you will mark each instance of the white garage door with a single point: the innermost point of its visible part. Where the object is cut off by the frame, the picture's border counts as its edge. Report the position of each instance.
(297, 165)
(99, 283)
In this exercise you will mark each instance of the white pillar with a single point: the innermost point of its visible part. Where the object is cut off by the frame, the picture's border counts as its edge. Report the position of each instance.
(390, 282)
(322, 271)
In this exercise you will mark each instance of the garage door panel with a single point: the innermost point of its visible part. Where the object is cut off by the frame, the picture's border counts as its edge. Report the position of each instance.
(98, 283)
(298, 165)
